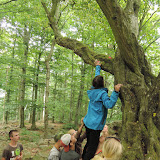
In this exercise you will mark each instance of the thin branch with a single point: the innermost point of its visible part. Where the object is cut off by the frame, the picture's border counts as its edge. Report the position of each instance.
(7, 2)
(62, 12)
(149, 18)
(142, 19)
(149, 30)
(11, 12)
(151, 43)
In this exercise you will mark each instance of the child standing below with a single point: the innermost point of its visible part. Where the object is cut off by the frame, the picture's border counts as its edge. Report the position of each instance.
(98, 107)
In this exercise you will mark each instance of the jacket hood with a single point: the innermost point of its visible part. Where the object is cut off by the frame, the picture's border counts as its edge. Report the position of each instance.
(95, 94)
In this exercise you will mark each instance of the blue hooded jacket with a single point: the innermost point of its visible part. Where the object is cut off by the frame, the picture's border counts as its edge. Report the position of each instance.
(98, 106)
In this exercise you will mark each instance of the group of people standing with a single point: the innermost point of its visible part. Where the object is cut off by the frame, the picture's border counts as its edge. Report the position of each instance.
(99, 145)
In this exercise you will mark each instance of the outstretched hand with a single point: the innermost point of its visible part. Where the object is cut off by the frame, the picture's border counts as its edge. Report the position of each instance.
(82, 121)
(97, 63)
(118, 87)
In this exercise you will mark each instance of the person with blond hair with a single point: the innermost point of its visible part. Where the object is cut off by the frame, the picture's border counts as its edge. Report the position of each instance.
(102, 138)
(112, 149)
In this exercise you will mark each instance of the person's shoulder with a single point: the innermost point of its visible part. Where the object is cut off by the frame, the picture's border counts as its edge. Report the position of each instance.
(7, 147)
(54, 149)
(97, 157)
(74, 153)
(19, 144)
(54, 153)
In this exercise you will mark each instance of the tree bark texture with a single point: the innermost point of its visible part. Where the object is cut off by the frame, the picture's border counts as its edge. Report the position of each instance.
(140, 94)
(26, 38)
(47, 61)
(36, 92)
(80, 96)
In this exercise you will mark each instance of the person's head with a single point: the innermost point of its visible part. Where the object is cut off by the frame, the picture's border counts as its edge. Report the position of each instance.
(14, 135)
(104, 134)
(112, 148)
(65, 141)
(98, 82)
(73, 139)
(105, 130)
(58, 136)
(72, 132)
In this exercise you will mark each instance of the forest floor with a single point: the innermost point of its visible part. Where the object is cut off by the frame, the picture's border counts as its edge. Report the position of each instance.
(34, 145)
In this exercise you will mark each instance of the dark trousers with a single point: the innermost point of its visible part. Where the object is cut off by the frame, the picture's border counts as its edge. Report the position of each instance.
(92, 143)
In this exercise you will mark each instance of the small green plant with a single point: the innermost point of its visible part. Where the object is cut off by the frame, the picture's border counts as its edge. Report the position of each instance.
(69, 126)
(31, 136)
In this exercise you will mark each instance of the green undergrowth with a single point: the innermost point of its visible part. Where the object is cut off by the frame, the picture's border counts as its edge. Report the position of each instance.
(30, 136)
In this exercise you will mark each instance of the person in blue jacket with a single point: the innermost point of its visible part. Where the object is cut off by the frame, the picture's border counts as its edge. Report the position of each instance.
(98, 107)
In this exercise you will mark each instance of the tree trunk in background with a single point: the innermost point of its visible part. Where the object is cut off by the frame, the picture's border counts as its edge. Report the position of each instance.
(31, 110)
(5, 108)
(47, 60)
(71, 98)
(23, 78)
(54, 96)
(42, 101)
(80, 96)
(8, 88)
(86, 101)
(37, 63)
(65, 86)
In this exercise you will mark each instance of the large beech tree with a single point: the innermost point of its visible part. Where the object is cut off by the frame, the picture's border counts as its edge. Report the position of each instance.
(140, 95)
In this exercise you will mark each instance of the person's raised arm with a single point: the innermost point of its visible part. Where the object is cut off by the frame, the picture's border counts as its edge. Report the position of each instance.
(110, 102)
(98, 67)
(80, 129)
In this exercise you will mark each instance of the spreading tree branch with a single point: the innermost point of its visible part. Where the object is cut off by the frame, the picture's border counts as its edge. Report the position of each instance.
(77, 47)
(87, 54)
(7, 2)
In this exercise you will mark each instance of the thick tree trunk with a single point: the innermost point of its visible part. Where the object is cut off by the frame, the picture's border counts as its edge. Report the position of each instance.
(140, 133)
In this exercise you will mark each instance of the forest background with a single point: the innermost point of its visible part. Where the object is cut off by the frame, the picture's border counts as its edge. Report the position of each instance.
(42, 81)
